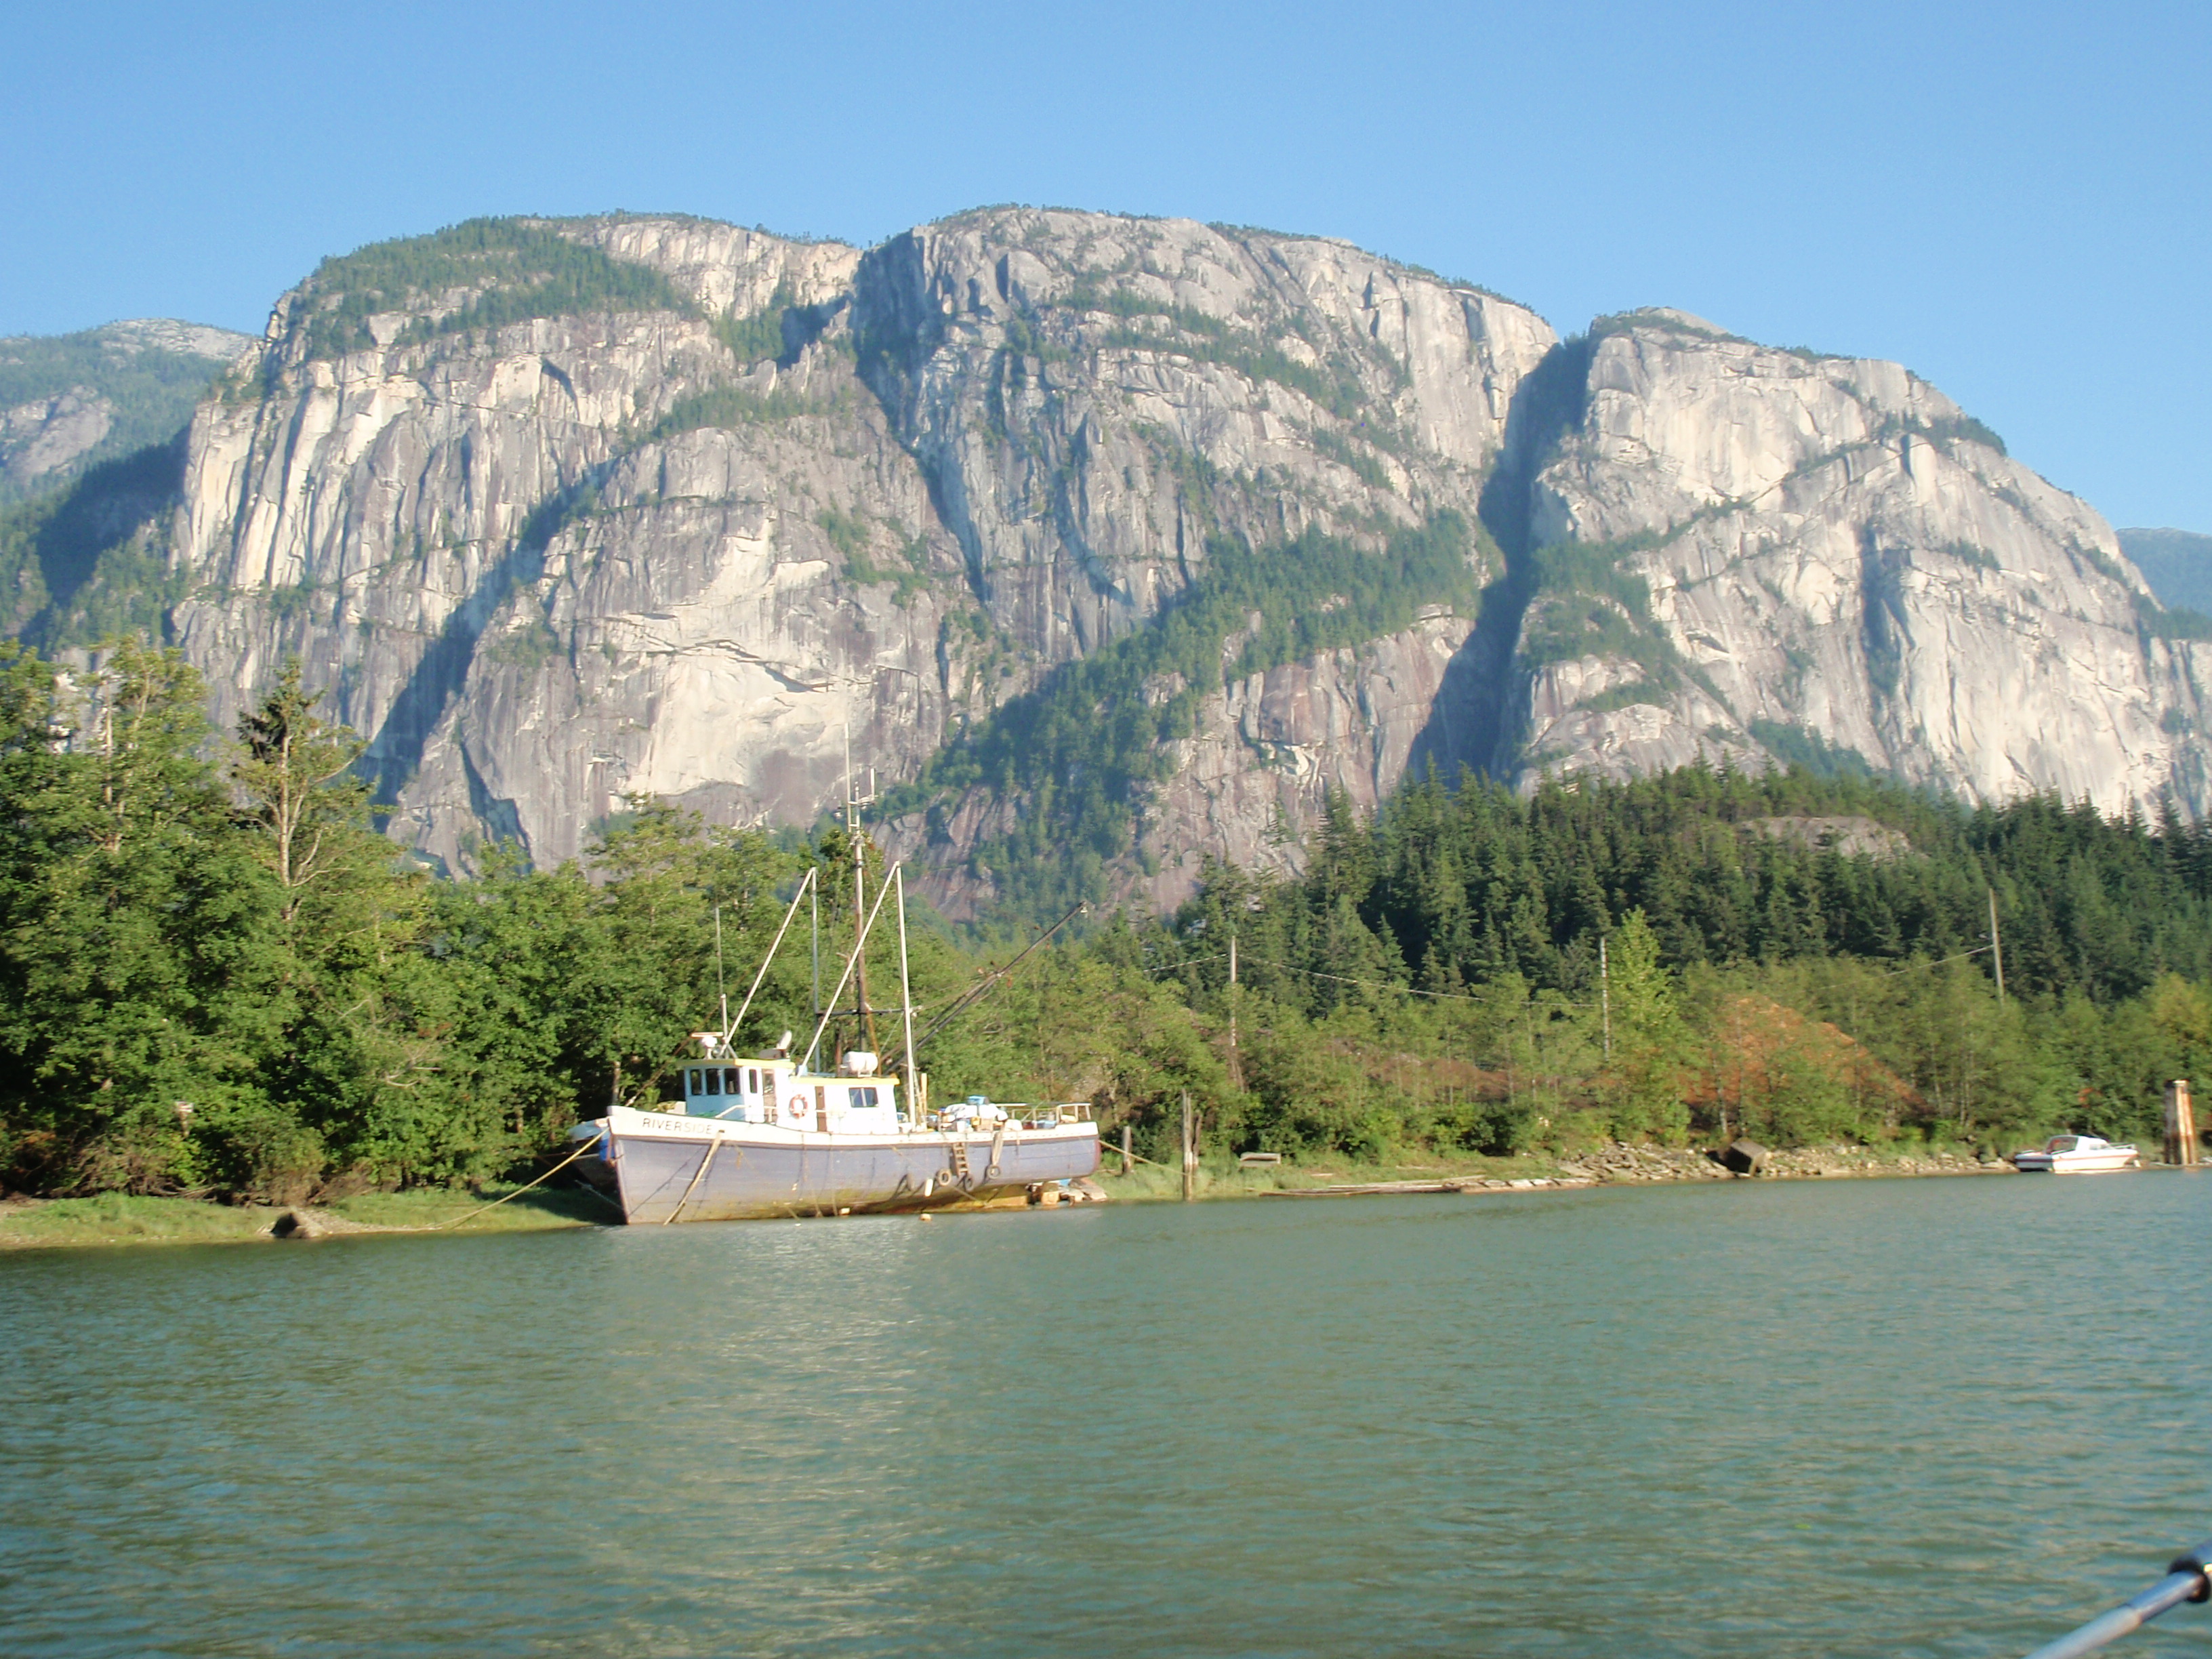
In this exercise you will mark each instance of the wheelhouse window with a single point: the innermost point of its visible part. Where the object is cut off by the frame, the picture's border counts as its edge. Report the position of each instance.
(863, 1097)
(732, 1081)
(698, 1081)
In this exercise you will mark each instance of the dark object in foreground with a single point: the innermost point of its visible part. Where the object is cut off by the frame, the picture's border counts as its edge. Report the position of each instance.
(1463, 1184)
(1744, 1157)
(2186, 1580)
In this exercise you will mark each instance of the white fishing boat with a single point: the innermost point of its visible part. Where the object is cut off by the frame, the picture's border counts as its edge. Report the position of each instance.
(771, 1135)
(779, 1139)
(2078, 1155)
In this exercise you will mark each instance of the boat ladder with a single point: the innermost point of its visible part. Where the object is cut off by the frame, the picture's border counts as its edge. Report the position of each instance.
(961, 1173)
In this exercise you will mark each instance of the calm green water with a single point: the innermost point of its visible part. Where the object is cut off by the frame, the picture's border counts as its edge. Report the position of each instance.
(1907, 1417)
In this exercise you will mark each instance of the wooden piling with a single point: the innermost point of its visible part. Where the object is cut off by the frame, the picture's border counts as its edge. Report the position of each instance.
(2180, 1125)
(1128, 1158)
(1189, 1151)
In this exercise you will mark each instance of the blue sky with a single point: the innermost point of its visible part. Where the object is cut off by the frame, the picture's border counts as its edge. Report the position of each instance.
(2016, 201)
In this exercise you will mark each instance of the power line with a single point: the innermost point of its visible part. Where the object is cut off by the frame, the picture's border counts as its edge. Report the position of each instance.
(1342, 979)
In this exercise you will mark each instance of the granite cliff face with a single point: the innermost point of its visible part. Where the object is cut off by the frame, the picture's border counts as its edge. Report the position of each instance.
(842, 498)
(562, 513)
(1830, 549)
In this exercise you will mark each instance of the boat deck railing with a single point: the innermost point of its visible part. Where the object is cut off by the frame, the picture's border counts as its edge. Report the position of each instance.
(1020, 1113)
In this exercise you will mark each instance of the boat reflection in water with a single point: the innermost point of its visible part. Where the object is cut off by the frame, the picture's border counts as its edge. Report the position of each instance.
(2078, 1155)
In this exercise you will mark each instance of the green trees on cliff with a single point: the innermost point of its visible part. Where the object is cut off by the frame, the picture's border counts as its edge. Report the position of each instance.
(481, 273)
(1076, 752)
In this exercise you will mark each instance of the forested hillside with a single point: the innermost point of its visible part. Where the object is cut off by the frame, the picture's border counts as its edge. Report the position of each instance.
(2177, 564)
(215, 978)
(70, 402)
(1808, 958)
(1462, 885)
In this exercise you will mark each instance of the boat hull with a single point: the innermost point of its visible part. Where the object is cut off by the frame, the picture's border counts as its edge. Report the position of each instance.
(671, 1170)
(2072, 1163)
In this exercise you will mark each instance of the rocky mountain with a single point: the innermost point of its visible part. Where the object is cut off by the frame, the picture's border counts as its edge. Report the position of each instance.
(1109, 543)
(1768, 547)
(74, 400)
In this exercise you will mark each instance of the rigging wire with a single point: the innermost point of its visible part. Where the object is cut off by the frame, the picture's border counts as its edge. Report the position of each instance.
(991, 981)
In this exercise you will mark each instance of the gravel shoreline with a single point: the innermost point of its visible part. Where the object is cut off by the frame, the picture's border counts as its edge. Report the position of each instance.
(1616, 1162)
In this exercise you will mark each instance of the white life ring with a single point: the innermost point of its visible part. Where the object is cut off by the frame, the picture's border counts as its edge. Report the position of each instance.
(797, 1107)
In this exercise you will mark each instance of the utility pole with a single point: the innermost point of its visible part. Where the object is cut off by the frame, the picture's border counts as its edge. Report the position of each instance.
(1605, 996)
(721, 990)
(1997, 946)
(1236, 1059)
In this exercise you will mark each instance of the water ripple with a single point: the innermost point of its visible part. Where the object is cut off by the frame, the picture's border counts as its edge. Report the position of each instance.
(1938, 1418)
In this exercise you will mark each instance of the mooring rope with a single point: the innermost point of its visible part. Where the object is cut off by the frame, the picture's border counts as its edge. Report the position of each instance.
(518, 1191)
(697, 1176)
(1140, 1157)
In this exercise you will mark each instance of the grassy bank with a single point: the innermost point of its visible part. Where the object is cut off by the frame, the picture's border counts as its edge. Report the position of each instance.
(122, 1219)
(1222, 1178)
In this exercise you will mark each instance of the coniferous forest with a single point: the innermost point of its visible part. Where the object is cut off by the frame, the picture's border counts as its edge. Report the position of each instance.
(217, 978)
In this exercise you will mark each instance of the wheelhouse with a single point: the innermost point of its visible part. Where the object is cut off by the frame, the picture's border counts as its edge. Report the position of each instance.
(731, 1091)
(754, 1092)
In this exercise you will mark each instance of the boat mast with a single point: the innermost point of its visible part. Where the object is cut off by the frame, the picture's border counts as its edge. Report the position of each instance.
(854, 800)
(859, 944)
(906, 1003)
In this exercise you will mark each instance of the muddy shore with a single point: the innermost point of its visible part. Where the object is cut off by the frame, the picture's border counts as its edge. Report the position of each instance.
(117, 1218)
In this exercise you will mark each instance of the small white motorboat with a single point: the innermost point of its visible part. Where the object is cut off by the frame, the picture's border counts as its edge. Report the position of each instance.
(2078, 1155)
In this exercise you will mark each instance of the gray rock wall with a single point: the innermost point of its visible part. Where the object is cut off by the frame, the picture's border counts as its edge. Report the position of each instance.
(552, 565)
(535, 607)
(1830, 546)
